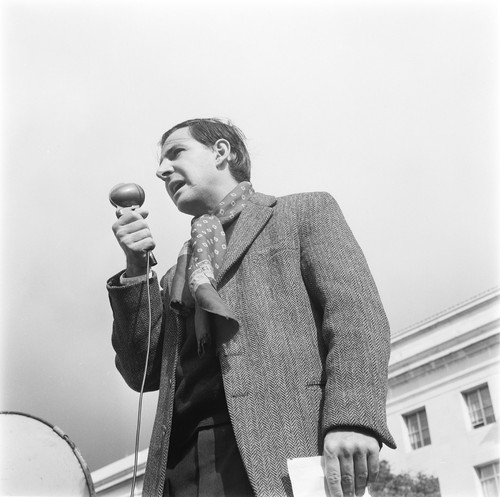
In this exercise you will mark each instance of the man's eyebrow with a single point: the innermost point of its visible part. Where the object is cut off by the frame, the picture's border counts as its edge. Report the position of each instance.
(167, 152)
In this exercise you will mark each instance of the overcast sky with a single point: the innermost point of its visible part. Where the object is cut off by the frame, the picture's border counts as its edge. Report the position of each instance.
(392, 107)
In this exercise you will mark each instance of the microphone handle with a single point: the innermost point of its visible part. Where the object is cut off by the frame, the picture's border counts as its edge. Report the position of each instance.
(152, 259)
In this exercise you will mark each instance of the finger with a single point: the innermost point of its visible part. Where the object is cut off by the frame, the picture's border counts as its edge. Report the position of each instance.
(125, 213)
(373, 466)
(138, 236)
(121, 211)
(360, 474)
(142, 212)
(332, 476)
(129, 224)
(144, 246)
(142, 238)
(347, 475)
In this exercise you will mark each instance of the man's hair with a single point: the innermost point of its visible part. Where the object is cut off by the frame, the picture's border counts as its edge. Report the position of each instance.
(208, 131)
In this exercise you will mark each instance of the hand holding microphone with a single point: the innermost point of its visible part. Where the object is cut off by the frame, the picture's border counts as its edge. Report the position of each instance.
(133, 235)
(131, 229)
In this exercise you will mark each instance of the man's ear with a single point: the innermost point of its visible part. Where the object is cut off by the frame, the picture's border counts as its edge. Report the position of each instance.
(222, 149)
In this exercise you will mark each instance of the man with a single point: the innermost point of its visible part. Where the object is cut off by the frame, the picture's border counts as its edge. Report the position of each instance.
(268, 342)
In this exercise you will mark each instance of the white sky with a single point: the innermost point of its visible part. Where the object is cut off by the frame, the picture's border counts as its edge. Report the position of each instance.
(392, 107)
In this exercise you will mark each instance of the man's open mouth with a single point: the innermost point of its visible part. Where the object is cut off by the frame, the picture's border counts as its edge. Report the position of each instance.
(176, 186)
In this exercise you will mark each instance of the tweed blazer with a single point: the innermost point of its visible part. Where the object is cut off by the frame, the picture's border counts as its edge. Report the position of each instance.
(312, 348)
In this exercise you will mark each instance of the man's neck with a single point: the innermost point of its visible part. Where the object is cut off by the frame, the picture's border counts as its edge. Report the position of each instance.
(223, 192)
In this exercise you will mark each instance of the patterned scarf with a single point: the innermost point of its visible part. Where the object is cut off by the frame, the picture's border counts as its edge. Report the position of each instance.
(199, 263)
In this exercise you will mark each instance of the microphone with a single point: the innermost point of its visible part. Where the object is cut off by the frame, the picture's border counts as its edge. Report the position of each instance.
(132, 195)
(129, 195)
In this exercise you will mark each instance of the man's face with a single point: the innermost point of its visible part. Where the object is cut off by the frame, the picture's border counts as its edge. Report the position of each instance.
(189, 171)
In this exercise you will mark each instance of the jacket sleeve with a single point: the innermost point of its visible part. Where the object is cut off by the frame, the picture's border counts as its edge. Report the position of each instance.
(353, 323)
(130, 336)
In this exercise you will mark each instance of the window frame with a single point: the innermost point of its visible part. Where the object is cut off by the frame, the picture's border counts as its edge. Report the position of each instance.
(494, 478)
(487, 412)
(423, 433)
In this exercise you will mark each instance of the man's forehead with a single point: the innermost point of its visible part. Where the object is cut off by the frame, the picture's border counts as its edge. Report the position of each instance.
(179, 135)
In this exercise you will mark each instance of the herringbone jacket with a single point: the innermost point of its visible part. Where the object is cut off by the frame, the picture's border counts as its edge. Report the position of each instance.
(311, 352)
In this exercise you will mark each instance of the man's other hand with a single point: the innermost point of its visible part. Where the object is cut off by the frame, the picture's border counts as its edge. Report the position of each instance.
(351, 462)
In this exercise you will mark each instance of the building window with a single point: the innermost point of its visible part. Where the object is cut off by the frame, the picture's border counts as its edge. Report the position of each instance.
(480, 407)
(489, 476)
(418, 429)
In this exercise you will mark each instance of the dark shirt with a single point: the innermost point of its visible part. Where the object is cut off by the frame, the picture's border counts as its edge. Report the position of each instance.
(199, 395)
(199, 399)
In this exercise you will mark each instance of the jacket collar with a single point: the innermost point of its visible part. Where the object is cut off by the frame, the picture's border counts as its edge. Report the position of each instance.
(251, 221)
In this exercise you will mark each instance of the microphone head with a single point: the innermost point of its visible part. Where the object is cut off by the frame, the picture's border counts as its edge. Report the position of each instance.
(127, 195)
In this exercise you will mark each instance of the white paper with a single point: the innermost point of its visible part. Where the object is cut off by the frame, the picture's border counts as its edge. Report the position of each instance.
(308, 478)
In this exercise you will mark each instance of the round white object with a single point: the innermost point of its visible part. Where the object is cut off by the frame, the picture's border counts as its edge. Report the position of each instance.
(38, 459)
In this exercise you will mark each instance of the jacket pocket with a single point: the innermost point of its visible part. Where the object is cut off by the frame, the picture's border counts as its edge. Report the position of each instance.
(321, 382)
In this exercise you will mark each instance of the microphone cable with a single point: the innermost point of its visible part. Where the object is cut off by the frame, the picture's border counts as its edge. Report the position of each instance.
(141, 393)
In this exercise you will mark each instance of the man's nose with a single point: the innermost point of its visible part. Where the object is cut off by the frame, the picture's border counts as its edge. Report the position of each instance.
(164, 170)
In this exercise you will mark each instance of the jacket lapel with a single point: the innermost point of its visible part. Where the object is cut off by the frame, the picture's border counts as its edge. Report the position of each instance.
(252, 220)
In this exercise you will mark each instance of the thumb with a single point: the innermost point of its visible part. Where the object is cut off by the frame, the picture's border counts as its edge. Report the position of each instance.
(120, 211)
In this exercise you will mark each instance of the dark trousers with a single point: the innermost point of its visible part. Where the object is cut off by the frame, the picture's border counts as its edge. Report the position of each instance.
(209, 466)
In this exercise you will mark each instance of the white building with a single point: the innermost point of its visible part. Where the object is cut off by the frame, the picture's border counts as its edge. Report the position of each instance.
(442, 407)
(444, 400)
(115, 479)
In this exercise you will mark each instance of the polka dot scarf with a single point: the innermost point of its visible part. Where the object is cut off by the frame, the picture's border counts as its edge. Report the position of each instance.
(200, 261)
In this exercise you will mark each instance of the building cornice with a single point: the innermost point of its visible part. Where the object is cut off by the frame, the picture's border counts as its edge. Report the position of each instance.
(443, 335)
(444, 349)
(119, 472)
(487, 297)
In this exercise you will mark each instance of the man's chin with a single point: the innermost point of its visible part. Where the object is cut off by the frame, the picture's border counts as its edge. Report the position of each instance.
(188, 207)
(180, 202)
